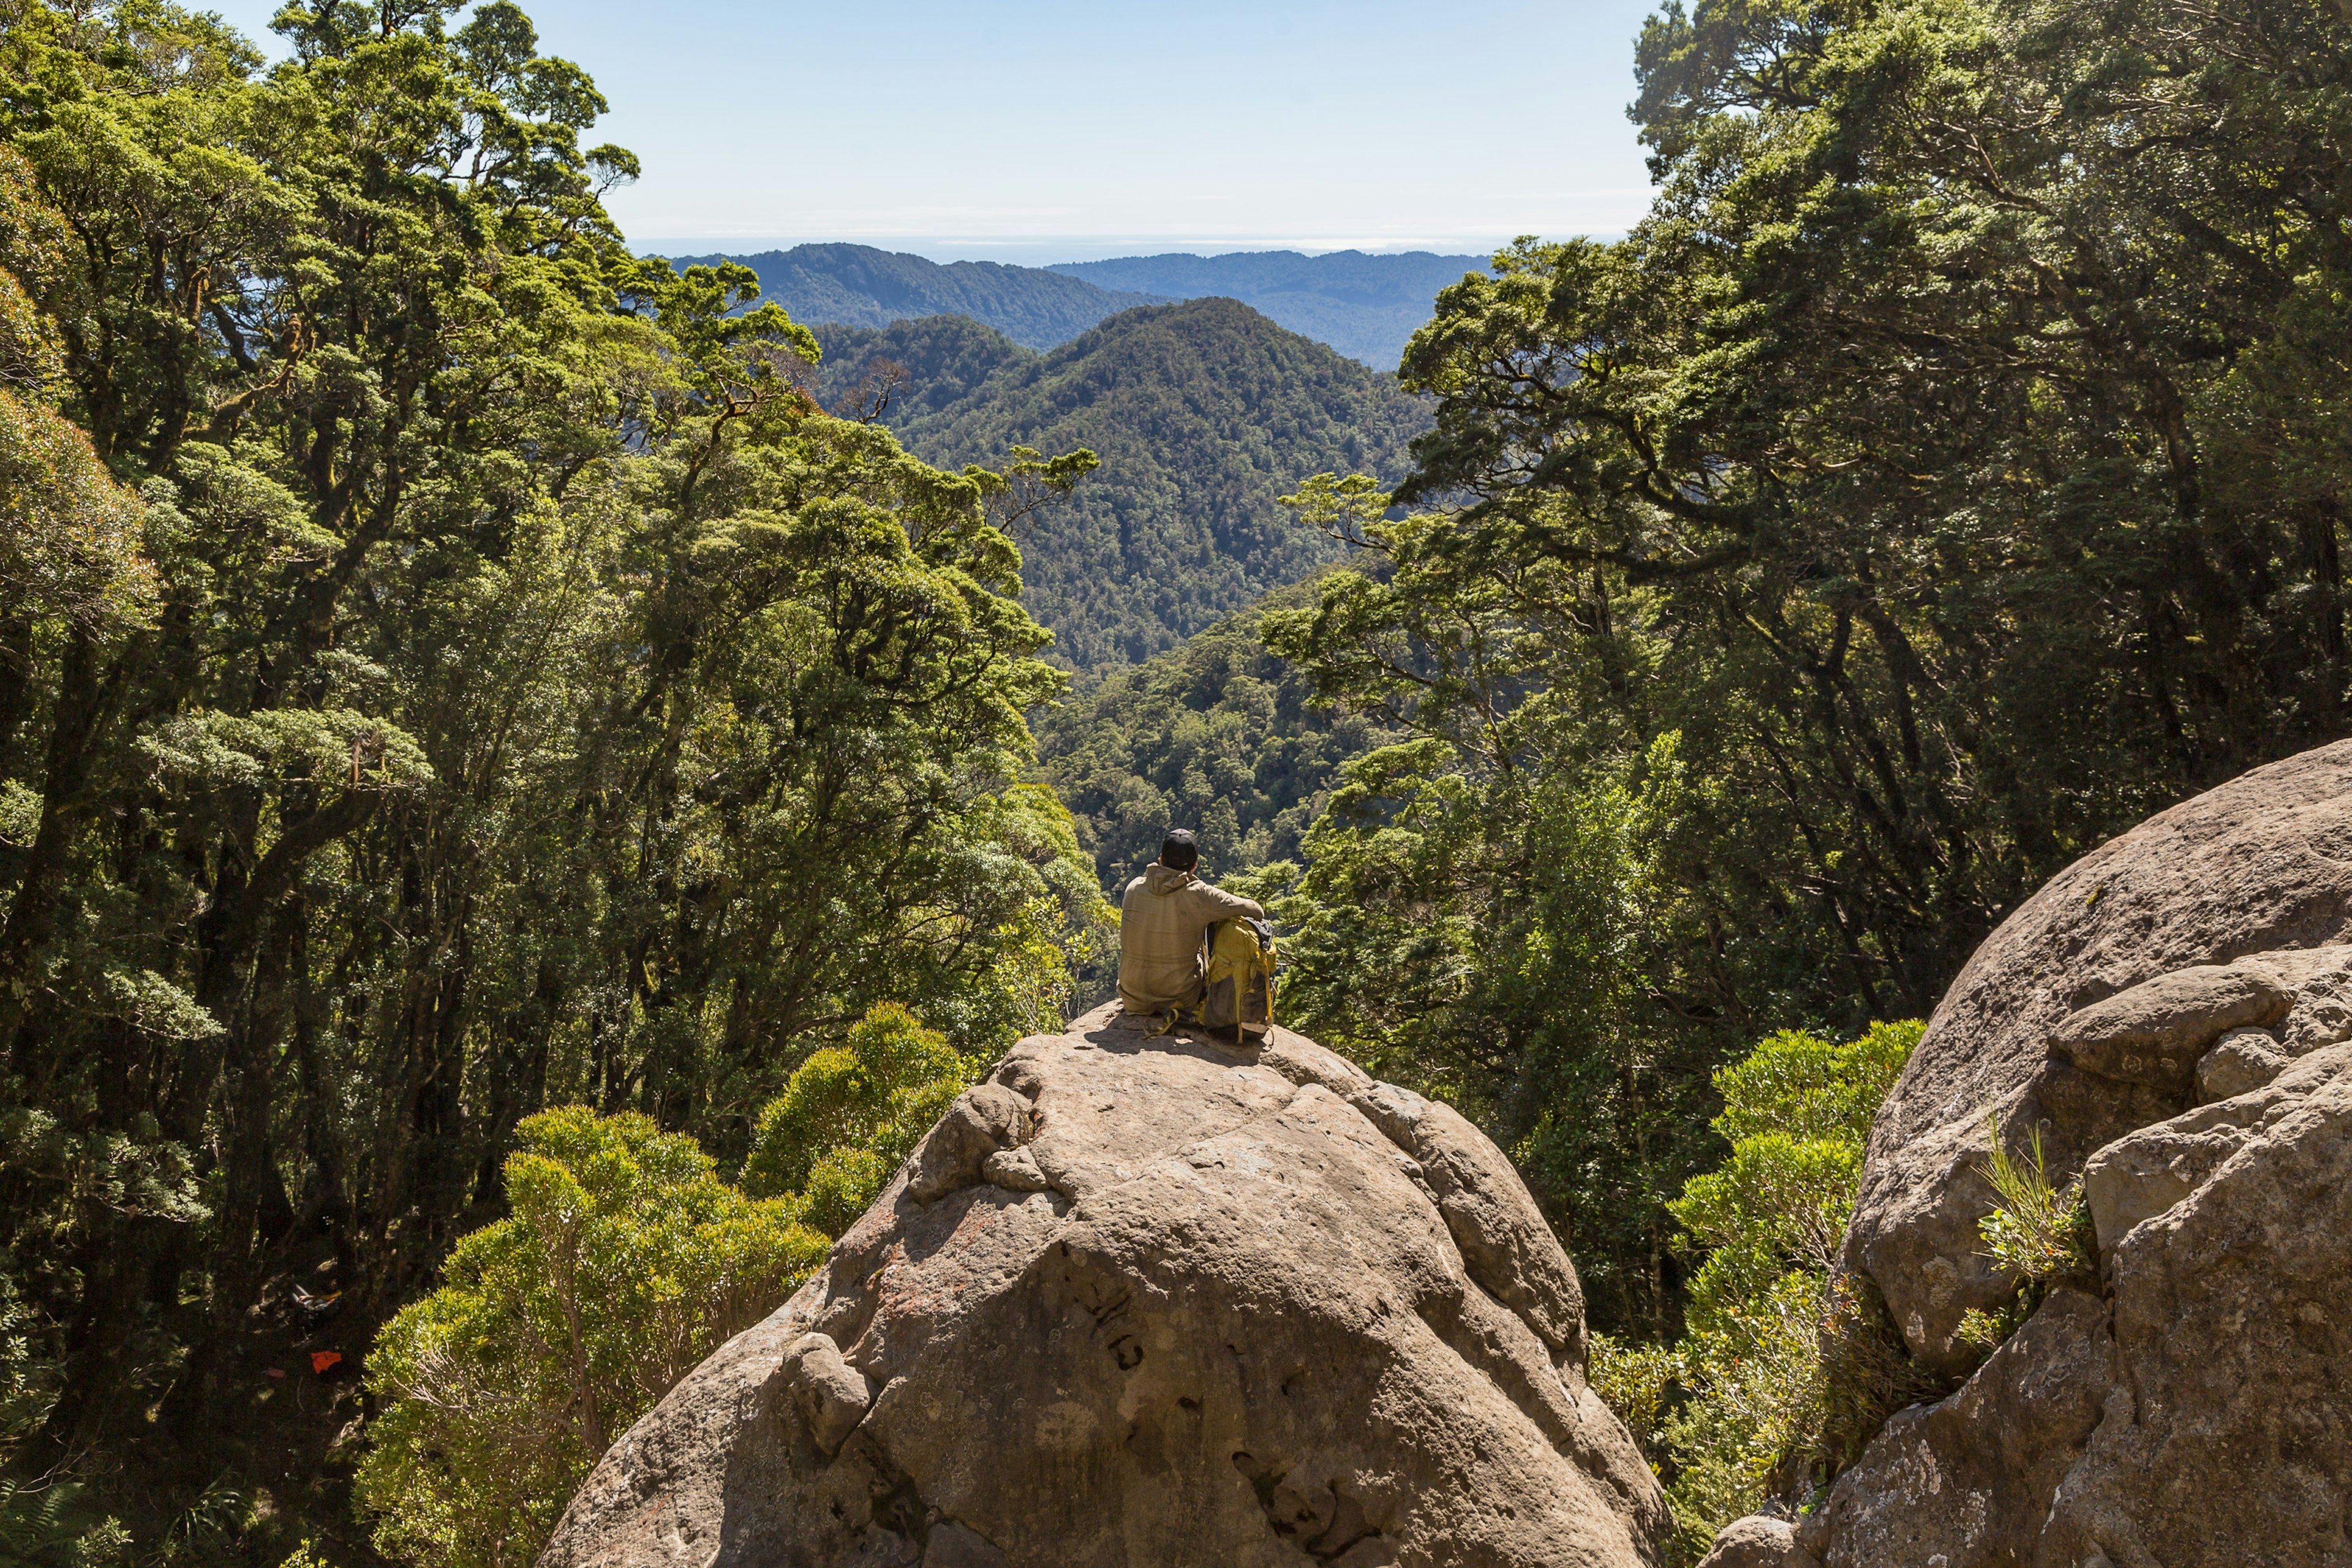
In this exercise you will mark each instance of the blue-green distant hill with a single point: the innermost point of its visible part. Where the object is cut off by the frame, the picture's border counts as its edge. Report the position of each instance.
(858, 286)
(1367, 307)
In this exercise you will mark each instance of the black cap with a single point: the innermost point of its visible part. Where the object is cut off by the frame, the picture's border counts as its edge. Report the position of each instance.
(1179, 851)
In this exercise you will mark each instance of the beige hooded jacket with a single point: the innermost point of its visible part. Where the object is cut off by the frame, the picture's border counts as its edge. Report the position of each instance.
(1160, 922)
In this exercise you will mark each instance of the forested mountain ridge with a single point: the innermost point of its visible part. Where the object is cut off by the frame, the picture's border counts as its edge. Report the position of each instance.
(902, 372)
(1202, 414)
(860, 286)
(1366, 306)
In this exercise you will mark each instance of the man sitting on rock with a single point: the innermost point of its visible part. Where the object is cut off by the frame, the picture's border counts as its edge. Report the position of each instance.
(1160, 922)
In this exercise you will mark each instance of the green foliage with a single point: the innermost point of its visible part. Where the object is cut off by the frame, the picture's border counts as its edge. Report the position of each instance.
(1480, 933)
(1866, 1375)
(2035, 1232)
(852, 1113)
(625, 1261)
(38, 1523)
(449, 666)
(1216, 734)
(911, 370)
(1948, 463)
(69, 539)
(1202, 414)
(1636, 1381)
(1781, 1357)
(1366, 307)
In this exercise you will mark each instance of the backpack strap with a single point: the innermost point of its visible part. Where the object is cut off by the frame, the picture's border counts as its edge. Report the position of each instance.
(1165, 1023)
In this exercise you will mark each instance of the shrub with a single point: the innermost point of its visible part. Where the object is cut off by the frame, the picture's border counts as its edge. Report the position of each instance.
(1633, 1379)
(1868, 1375)
(2035, 1231)
(625, 1261)
(850, 1114)
(1758, 1400)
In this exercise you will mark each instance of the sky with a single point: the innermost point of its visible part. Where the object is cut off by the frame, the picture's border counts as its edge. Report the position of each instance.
(1031, 131)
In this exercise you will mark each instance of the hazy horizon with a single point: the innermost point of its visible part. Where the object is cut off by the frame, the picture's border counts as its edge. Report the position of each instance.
(1050, 251)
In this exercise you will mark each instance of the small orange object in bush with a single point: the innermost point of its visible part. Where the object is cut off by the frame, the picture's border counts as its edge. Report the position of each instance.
(275, 1370)
(321, 1360)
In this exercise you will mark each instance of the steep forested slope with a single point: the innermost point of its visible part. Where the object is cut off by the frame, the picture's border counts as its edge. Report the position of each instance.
(1216, 734)
(1367, 307)
(859, 286)
(911, 369)
(1202, 414)
(1950, 473)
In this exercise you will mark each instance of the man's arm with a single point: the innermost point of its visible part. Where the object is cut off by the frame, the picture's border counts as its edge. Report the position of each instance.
(1216, 904)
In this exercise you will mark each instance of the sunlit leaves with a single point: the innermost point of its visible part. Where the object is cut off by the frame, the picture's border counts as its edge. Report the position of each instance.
(626, 1260)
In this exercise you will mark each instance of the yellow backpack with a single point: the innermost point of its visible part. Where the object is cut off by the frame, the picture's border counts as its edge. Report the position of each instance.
(1241, 979)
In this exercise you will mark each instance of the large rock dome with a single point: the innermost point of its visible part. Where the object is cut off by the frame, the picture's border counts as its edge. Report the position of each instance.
(2171, 1017)
(1147, 1302)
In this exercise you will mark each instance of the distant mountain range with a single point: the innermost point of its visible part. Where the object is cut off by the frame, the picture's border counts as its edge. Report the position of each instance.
(1367, 307)
(1364, 306)
(1203, 412)
(858, 286)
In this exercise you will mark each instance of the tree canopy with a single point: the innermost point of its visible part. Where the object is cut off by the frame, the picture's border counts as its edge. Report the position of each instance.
(1945, 475)
(453, 669)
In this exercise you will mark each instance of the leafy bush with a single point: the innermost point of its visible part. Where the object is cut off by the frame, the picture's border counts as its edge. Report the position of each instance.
(1760, 1399)
(2036, 1233)
(1868, 1375)
(849, 1115)
(1636, 1381)
(626, 1260)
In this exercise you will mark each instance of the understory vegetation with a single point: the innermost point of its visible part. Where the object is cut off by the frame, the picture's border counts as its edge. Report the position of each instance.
(1785, 1365)
(625, 1260)
(521, 798)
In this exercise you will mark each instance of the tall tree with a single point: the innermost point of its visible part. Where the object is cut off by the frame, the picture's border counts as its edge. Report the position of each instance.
(1946, 464)
(452, 670)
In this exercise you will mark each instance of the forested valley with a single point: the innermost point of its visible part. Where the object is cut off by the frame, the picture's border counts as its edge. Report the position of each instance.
(528, 777)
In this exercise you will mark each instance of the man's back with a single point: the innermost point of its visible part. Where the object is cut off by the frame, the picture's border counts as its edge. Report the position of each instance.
(1161, 917)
